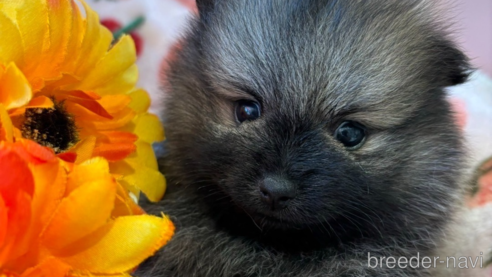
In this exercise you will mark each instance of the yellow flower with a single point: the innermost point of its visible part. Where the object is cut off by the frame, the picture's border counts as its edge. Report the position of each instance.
(67, 86)
(59, 219)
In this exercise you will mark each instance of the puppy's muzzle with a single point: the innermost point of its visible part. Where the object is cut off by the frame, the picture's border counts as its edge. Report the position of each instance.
(276, 192)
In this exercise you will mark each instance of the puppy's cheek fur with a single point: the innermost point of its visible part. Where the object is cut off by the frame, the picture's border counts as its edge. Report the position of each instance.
(416, 160)
(226, 118)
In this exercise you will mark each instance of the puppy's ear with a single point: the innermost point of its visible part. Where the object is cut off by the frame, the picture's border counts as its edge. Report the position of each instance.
(204, 5)
(452, 67)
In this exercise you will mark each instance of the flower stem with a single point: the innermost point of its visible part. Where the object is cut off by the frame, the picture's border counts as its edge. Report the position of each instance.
(129, 28)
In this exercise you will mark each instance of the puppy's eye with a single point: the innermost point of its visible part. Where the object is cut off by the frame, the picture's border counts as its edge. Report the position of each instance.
(247, 110)
(351, 134)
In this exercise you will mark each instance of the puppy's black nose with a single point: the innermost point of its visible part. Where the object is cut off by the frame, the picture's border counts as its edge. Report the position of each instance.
(276, 192)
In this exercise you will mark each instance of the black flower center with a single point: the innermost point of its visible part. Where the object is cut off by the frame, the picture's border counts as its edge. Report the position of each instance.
(51, 127)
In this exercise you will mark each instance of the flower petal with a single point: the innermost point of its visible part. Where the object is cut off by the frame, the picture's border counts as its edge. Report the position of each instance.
(84, 149)
(77, 34)
(31, 17)
(114, 151)
(84, 274)
(40, 102)
(148, 128)
(50, 185)
(3, 221)
(13, 50)
(51, 181)
(34, 208)
(127, 241)
(60, 24)
(120, 120)
(119, 137)
(94, 45)
(70, 157)
(119, 58)
(50, 267)
(115, 145)
(149, 181)
(115, 103)
(90, 170)
(14, 88)
(19, 218)
(6, 128)
(121, 83)
(125, 205)
(32, 152)
(15, 175)
(90, 104)
(144, 156)
(86, 209)
(140, 172)
(140, 100)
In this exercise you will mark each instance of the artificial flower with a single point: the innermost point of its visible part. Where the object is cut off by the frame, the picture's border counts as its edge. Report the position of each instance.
(60, 219)
(67, 85)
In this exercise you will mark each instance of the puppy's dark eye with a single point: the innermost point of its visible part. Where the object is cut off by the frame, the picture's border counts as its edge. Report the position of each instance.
(247, 110)
(351, 134)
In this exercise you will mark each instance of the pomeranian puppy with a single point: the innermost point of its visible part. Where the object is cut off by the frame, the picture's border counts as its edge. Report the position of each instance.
(305, 137)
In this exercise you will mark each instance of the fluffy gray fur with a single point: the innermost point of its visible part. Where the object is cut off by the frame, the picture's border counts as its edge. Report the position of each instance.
(310, 64)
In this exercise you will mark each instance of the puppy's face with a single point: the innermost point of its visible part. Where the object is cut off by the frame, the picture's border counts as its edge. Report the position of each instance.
(304, 113)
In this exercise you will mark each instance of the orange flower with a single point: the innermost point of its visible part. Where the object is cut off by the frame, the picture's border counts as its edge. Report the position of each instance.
(65, 84)
(65, 209)
(59, 219)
